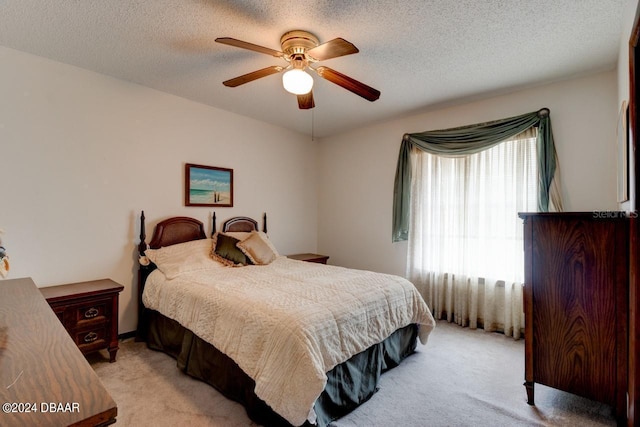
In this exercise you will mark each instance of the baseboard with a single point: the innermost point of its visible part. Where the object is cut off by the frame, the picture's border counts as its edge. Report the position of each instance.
(130, 334)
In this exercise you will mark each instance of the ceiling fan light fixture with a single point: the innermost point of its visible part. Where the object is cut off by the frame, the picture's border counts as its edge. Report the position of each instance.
(297, 82)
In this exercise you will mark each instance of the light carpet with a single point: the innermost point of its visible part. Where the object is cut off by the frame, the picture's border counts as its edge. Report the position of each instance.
(462, 377)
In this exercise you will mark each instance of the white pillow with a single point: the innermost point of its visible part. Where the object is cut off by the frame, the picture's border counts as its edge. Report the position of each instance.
(183, 257)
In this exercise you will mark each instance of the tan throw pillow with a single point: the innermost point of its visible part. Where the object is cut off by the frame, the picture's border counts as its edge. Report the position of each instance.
(240, 235)
(258, 248)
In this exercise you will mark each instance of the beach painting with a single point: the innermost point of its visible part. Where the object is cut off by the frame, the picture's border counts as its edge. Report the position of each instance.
(208, 186)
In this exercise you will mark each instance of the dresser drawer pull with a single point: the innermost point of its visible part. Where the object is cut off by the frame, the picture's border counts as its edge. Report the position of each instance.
(90, 337)
(92, 312)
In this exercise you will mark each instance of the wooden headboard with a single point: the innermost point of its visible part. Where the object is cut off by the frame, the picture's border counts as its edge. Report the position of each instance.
(180, 229)
(171, 231)
(176, 230)
(240, 223)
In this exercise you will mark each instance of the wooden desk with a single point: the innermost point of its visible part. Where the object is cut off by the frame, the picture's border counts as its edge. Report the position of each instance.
(41, 368)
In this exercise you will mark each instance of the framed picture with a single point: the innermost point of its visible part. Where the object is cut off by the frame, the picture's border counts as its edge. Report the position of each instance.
(208, 186)
(623, 153)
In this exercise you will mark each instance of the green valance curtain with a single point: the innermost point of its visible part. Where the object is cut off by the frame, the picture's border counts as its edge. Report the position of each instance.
(469, 140)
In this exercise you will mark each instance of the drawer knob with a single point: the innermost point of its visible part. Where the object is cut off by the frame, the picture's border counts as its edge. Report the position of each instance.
(90, 337)
(92, 312)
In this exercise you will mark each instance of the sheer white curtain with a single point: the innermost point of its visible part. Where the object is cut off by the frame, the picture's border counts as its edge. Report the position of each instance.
(465, 242)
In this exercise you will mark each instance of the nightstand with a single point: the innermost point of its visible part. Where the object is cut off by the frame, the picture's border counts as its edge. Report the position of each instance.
(320, 259)
(89, 313)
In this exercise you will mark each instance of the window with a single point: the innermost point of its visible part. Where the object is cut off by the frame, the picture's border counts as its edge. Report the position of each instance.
(465, 240)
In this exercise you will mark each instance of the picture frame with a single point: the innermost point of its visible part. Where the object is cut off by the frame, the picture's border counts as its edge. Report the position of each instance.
(208, 186)
(622, 138)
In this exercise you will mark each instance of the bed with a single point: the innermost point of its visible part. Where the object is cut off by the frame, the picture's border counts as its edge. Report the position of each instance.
(263, 334)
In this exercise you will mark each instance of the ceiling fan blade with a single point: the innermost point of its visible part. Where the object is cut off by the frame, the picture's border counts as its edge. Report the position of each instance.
(361, 89)
(250, 46)
(332, 49)
(305, 102)
(249, 77)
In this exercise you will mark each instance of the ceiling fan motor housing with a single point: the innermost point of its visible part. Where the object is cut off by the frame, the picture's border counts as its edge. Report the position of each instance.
(295, 45)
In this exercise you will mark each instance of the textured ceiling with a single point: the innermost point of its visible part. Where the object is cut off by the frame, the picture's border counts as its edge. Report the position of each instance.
(419, 54)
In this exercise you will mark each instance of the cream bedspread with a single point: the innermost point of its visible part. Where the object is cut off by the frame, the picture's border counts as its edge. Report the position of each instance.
(288, 323)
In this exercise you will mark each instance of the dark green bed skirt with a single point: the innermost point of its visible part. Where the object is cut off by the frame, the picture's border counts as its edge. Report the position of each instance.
(349, 384)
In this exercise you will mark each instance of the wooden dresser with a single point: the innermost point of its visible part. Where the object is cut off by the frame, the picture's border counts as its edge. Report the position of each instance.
(44, 378)
(89, 312)
(576, 304)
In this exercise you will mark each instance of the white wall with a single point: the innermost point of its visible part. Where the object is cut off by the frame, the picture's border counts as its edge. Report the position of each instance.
(81, 154)
(356, 170)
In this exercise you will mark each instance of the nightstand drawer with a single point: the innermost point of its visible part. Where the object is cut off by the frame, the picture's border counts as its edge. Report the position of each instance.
(89, 340)
(89, 312)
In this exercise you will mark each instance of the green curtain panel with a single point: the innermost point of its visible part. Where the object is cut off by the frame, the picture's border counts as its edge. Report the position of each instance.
(469, 140)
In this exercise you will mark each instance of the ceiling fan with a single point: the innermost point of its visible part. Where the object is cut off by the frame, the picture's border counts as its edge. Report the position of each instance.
(301, 50)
